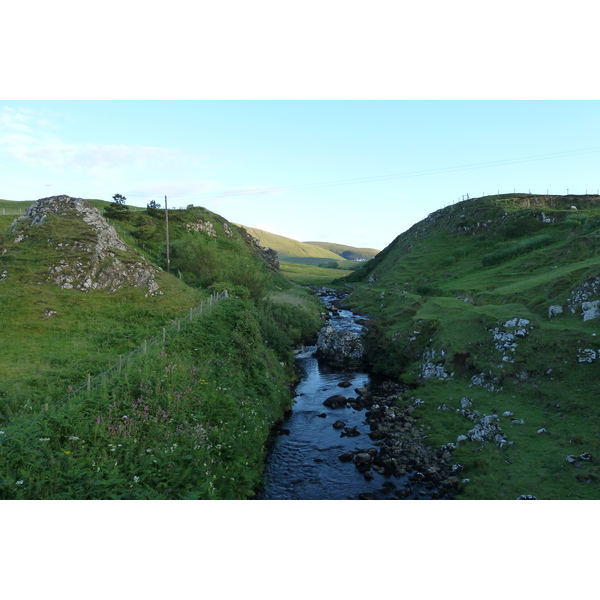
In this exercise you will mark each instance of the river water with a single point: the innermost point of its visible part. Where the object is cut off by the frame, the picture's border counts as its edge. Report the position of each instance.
(304, 464)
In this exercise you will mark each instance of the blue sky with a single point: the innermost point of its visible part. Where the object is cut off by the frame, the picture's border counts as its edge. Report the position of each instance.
(354, 172)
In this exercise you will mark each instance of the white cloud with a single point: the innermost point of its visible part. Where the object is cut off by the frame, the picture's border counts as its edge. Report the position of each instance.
(27, 137)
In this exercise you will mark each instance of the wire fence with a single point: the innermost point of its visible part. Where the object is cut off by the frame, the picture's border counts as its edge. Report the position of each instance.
(147, 346)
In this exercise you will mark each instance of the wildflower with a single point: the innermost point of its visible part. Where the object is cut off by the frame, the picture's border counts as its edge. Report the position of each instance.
(98, 420)
(135, 479)
(20, 482)
(1, 432)
(44, 439)
(70, 388)
(73, 437)
(67, 451)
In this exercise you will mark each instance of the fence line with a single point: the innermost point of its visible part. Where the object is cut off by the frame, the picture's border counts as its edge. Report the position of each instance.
(148, 344)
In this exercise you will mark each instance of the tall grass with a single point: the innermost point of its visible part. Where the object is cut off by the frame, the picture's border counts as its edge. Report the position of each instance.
(515, 249)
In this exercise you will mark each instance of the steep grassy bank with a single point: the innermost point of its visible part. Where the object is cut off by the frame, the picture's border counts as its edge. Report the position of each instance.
(189, 421)
(488, 308)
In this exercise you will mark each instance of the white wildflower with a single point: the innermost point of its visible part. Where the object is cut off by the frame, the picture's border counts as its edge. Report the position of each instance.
(20, 482)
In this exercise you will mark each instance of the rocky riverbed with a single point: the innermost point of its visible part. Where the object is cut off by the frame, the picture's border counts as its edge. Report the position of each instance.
(348, 437)
(398, 448)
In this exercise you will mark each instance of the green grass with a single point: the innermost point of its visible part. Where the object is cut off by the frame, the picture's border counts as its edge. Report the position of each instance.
(189, 420)
(221, 382)
(433, 289)
(310, 275)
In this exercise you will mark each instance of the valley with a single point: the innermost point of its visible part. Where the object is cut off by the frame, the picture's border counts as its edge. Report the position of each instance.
(481, 322)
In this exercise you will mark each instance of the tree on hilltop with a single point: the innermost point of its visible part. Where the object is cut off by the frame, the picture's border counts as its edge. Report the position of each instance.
(117, 209)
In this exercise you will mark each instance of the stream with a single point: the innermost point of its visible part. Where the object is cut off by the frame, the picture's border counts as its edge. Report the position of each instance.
(303, 462)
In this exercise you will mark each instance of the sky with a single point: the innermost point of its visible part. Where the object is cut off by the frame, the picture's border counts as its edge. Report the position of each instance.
(356, 172)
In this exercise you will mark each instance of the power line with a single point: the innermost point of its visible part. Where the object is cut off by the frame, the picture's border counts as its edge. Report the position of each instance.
(376, 178)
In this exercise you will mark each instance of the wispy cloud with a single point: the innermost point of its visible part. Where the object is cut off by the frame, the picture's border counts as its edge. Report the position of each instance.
(28, 137)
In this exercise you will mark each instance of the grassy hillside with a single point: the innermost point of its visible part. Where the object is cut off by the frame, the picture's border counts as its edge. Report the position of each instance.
(347, 252)
(198, 407)
(481, 306)
(289, 247)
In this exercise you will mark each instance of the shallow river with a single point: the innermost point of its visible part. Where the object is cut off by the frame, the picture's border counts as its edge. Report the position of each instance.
(304, 463)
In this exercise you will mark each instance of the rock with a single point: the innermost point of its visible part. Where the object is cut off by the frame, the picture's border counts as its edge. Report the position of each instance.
(339, 425)
(346, 457)
(350, 432)
(322, 415)
(571, 458)
(554, 310)
(507, 413)
(585, 456)
(344, 384)
(526, 497)
(340, 347)
(368, 475)
(466, 402)
(337, 401)
(98, 259)
(542, 430)
(462, 438)
(362, 458)
(590, 310)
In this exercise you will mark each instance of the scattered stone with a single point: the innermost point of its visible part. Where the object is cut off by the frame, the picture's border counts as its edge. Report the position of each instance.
(344, 384)
(571, 458)
(346, 457)
(586, 355)
(339, 425)
(542, 430)
(368, 475)
(526, 497)
(518, 421)
(507, 413)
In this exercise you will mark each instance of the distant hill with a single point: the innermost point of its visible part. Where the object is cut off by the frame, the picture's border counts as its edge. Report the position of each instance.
(289, 247)
(311, 253)
(347, 252)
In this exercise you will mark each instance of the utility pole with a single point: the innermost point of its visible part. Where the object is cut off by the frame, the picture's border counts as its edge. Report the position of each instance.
(167, 240)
